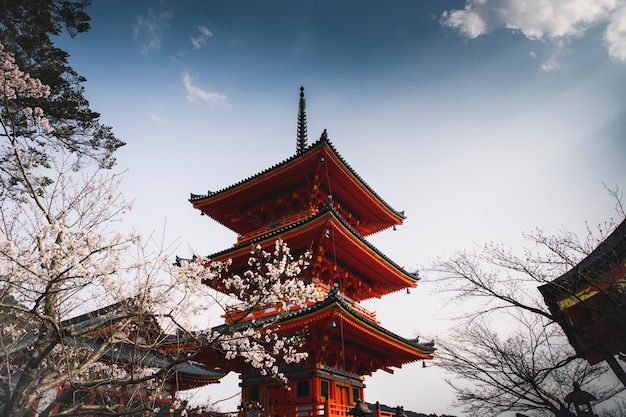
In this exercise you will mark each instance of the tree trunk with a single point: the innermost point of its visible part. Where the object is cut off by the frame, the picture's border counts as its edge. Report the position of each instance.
(616, 367)
(18, 403)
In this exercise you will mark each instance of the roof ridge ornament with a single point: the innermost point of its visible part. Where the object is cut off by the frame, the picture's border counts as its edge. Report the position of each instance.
(302, 135)
(324, 135)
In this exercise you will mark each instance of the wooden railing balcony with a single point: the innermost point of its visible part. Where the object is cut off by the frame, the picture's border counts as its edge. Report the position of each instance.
(324, 409)
(235, 315)
(368, 314)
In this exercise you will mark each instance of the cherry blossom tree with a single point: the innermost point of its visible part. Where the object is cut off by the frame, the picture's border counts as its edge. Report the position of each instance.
(83, 307)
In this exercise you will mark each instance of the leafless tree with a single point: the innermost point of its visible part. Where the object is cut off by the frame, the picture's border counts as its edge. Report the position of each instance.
(507, 352)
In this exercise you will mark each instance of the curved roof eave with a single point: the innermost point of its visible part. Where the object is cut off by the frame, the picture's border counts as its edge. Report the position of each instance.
(335, 298)
(196, 198)
(600, 261)
(274, 234)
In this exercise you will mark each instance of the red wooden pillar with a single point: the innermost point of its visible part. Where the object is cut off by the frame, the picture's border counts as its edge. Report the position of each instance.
(327, 407)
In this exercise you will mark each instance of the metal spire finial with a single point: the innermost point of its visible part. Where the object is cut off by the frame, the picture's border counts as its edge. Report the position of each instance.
(302, 137)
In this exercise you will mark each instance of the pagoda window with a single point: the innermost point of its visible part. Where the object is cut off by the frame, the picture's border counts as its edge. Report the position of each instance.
(324, 388)
(355, 394)
(253, 394)
(303, 388)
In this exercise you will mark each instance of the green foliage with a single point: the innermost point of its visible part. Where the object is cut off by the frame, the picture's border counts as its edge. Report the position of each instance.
(26, 28)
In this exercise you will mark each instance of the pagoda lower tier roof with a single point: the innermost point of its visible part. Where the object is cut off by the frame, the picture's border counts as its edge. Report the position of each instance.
(319, 167)
(339, 255)
(338, 336)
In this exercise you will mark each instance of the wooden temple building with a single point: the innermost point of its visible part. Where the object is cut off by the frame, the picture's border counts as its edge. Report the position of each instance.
(589, 302)
(315, 201)
(121, 337)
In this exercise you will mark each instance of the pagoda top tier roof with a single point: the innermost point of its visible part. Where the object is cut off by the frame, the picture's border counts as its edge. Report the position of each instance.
(317, 169)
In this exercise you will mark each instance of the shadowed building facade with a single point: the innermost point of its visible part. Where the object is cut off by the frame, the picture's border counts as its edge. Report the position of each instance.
(589, 302)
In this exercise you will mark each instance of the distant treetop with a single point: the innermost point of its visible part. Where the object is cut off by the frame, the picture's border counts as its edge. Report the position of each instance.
(26, 28)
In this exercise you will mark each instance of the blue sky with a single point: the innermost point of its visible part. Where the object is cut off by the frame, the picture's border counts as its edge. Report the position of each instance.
(480, 119)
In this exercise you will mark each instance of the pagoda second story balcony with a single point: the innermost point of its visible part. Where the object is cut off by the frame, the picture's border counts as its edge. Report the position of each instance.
(276, 225)
(234, 314)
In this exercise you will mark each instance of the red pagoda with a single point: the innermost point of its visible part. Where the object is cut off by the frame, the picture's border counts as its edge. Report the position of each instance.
(315, 201)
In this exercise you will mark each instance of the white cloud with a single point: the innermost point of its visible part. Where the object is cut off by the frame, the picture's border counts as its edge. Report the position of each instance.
(615, 35)
(551, 61)
(149, 29)
(196, 94)
(467, 21)
(200, 40)
(543, 19)
(154, 117)
(551, 64)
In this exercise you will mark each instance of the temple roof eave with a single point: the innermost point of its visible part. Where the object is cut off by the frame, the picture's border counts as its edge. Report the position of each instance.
(194, 375)
(409, 279)
(334, 300)
(281, 231)
(199, 200)
(607, 255)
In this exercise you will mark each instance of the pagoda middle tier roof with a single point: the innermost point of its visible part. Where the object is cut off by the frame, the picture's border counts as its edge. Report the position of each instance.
(319, 166)
(366, 272)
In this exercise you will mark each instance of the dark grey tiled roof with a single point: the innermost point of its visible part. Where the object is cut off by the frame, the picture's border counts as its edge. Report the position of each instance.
(127, 353)
(122, 352)
(101, 317)
(593, 267)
